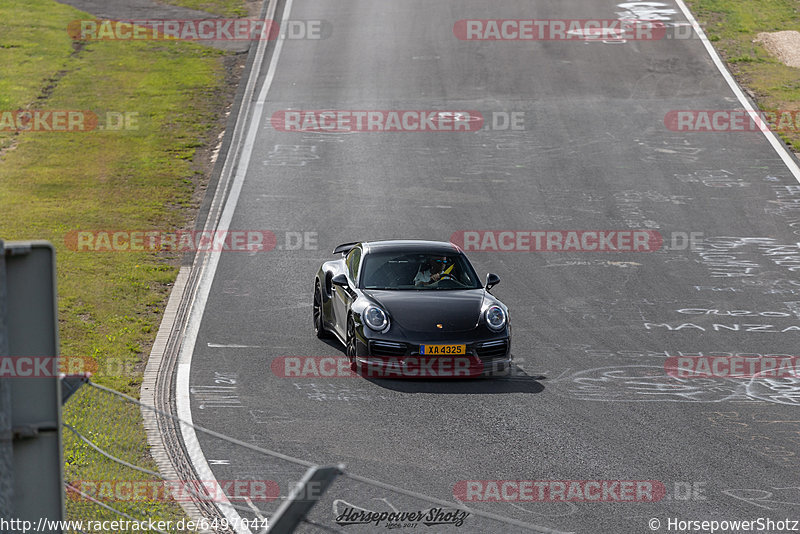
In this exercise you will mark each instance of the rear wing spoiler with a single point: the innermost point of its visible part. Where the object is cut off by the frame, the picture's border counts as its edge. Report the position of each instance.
(344, 248)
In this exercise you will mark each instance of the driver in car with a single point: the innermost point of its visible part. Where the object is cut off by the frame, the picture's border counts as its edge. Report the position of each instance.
(430, 272)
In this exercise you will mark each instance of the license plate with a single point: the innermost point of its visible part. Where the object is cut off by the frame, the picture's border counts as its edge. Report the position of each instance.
(446, 350)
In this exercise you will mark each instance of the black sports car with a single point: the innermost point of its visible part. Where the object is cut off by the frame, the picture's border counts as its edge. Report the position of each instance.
(409, 308)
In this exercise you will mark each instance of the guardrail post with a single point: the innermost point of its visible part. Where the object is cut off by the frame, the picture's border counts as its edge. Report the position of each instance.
(302, 498)
(6, 448)
(33, 402)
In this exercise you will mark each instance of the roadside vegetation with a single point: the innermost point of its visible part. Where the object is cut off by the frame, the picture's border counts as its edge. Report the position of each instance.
(732, 26)
(223, 8)
(159, 107)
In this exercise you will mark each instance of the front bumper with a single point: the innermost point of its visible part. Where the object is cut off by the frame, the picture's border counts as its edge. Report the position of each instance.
(382, 358)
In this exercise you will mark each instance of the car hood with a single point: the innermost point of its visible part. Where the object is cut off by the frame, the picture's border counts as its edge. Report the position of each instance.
(422, 310)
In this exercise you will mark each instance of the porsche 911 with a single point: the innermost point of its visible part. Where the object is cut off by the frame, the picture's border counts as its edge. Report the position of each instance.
(412, 308)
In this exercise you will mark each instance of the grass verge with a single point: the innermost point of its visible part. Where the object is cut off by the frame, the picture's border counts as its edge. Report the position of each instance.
(732, 25)
(144, 173)
(223, 8)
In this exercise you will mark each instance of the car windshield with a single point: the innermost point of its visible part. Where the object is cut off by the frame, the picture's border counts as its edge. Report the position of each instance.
(418, 271)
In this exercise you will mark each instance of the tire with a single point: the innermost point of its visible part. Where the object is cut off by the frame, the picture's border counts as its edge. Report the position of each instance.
(350, 348)
(319, 327)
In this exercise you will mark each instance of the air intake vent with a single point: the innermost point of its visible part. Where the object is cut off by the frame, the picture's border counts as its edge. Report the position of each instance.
(492, 349)
(387, 348)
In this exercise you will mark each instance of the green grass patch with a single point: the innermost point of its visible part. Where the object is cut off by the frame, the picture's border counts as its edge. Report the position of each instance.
(223, 8)
(138, 494)
(141, 177)
(733, 26)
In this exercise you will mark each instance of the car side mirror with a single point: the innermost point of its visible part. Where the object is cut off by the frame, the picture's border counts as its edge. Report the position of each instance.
(339, 280)
(492, 280)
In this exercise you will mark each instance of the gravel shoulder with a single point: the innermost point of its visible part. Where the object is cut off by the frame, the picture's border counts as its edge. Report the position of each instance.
(784, 45)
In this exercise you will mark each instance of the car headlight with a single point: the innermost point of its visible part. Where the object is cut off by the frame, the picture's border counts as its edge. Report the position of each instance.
(495, 317)
(376, 318)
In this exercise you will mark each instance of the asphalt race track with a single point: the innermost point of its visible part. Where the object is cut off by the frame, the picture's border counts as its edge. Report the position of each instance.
(590, 399)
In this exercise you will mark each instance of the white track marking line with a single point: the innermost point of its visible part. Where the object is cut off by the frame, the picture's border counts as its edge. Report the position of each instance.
(773, 140)
(208, 270)
(223, 346)
(254, 508)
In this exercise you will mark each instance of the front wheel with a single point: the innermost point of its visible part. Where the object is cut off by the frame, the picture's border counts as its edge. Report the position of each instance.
(319, 325)
(351, 344)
